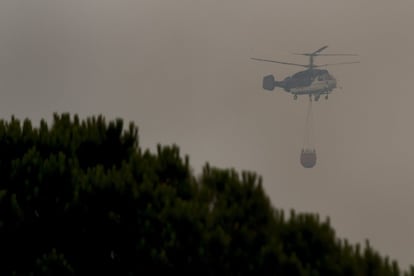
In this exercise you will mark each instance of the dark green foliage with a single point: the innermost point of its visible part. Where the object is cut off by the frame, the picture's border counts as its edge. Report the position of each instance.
(81, 198)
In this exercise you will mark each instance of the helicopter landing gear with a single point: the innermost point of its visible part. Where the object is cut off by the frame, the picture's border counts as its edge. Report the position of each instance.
(317, 98)
(295, 97)
(326, 97)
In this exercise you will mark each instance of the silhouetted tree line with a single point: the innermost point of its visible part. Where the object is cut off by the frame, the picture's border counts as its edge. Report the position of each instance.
(82, 198)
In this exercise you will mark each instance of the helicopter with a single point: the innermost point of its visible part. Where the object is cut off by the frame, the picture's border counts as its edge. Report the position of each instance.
(312, 81)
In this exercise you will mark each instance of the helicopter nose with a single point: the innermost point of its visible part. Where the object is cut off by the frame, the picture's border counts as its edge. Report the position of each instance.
(332, 82)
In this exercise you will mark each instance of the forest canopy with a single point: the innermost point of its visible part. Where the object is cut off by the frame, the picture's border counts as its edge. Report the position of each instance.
(81, 197)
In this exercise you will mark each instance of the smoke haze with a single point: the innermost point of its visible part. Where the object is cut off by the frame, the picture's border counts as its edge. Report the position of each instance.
(181, 70)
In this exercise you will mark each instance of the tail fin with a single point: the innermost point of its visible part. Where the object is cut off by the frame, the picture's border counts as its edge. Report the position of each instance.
(269, 82)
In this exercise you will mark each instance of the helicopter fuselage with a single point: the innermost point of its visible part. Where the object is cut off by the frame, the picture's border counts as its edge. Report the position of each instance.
(312, 82)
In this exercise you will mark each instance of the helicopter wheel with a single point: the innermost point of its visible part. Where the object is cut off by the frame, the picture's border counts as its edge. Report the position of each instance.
(295, 97)
(326, 97)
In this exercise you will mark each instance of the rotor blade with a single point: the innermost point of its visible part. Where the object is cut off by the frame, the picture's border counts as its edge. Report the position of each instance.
(320, 49)
(312, 54)
(340, 63)
(274, 61)
(354, 55)
(302, 54)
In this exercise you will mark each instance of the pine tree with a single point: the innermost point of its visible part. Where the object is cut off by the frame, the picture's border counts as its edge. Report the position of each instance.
(80, 197)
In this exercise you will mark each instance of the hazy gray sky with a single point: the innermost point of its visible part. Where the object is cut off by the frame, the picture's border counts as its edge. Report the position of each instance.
(181, 71)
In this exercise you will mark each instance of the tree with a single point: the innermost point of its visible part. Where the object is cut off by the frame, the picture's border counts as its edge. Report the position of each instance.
(81, 197)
